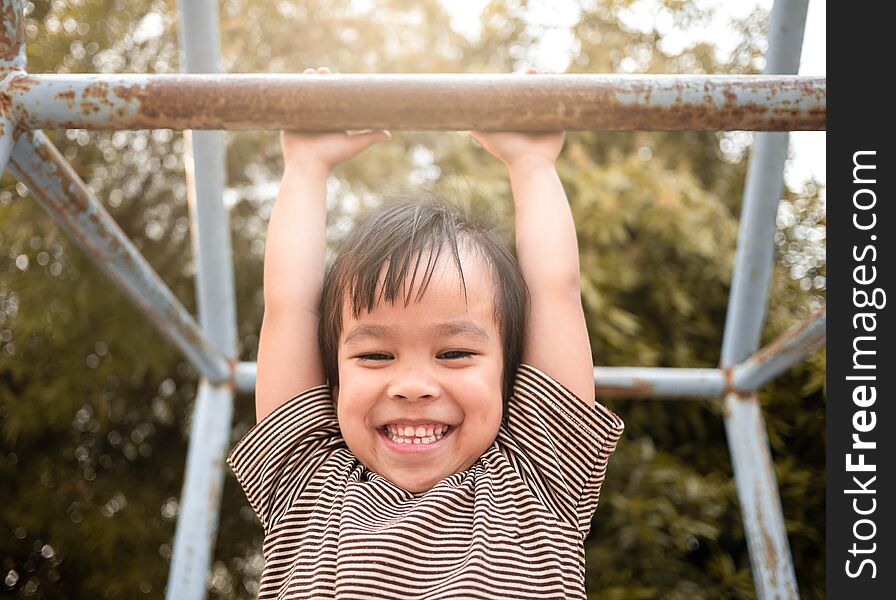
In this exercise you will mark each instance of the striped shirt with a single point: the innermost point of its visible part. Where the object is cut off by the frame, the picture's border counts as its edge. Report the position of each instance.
(511, 526)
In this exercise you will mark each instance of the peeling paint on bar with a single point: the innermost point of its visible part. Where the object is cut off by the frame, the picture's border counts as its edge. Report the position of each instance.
(12, 36)
(446, 102)
(37, 163)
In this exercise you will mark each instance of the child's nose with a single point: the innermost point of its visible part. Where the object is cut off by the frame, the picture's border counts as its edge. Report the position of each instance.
(413, 384)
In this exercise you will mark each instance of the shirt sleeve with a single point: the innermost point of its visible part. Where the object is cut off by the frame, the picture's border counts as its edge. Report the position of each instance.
(560, 445)
(275, 460)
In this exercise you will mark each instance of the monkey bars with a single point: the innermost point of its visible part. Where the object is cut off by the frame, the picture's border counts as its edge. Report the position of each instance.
(773, 103)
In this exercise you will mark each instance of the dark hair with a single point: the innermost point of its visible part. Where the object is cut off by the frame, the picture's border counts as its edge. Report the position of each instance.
(397, 235)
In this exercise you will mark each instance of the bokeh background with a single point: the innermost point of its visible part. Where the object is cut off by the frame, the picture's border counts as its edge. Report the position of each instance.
(95, 405)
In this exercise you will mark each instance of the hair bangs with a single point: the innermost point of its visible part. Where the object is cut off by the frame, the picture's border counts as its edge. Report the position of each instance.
(384, 261)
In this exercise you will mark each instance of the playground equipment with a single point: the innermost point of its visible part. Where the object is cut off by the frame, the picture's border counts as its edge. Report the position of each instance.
(773, 103)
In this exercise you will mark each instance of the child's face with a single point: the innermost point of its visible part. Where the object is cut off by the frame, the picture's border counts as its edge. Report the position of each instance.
(434, 363)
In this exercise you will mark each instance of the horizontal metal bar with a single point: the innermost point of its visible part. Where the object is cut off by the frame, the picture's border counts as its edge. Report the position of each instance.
(645, 382)
(641, 382)
(37, 164)
(631, 382)
(450, 102)
(244, 376)
(793, 346)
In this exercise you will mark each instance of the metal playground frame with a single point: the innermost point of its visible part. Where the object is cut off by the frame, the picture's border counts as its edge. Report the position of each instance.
(773, 103)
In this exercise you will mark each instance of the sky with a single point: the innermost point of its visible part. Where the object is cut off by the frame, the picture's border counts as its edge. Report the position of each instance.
(807, 148)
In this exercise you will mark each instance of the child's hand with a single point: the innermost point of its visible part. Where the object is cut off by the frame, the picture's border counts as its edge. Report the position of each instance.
(512, 147)
(325, 150)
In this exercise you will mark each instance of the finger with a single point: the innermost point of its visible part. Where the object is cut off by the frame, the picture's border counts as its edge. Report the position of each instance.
(363, 140)
(531, 70)
(324, 70)
(307, 71)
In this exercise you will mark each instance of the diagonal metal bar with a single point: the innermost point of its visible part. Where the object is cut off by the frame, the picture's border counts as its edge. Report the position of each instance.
(37, 163)
(451, 102)
(757, 486)
(795, 345)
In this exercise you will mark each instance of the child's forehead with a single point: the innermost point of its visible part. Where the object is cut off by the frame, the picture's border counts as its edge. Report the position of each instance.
(438, 285)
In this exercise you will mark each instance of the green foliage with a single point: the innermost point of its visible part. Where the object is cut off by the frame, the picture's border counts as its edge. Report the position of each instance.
(95, 403)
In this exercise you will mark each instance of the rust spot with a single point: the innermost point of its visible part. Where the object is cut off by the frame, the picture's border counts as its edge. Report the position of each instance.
(88, 107)
(23, 83)
(769, 553)
(68, 97)
(97, 89)
(639, 389)
(129, 92)
(5, 104)
(10, 44)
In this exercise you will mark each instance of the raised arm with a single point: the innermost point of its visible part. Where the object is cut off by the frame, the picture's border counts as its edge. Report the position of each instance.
(289, 360)
(556, 338)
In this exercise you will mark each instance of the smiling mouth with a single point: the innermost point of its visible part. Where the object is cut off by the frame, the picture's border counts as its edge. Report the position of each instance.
(420, 434)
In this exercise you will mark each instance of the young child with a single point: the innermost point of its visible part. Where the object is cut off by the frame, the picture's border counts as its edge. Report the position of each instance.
(381, 466)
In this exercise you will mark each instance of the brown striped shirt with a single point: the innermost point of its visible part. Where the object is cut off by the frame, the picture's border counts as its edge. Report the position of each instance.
(510, 526)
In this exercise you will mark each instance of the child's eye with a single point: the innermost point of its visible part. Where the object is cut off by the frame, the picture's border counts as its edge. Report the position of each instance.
(373, 356)
(456, 354)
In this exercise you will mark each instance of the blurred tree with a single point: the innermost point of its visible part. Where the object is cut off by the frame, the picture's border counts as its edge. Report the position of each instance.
(95, 405)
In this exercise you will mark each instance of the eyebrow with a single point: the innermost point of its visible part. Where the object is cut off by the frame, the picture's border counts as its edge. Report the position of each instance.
(462, 327)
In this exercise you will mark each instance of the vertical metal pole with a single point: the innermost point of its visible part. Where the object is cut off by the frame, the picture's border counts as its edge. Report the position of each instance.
(12, 35)
(757, 486)
(197, 523)
(12, 62)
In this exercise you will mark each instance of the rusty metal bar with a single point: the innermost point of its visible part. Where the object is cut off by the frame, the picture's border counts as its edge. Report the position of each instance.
(795, 345)
(757, 486)
(423, 102)
(639, 382)
(12, 62)
(12, 36)
(197, 523)
(37, 164)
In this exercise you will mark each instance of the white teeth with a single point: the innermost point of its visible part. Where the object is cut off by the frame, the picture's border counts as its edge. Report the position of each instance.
(415, 435)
